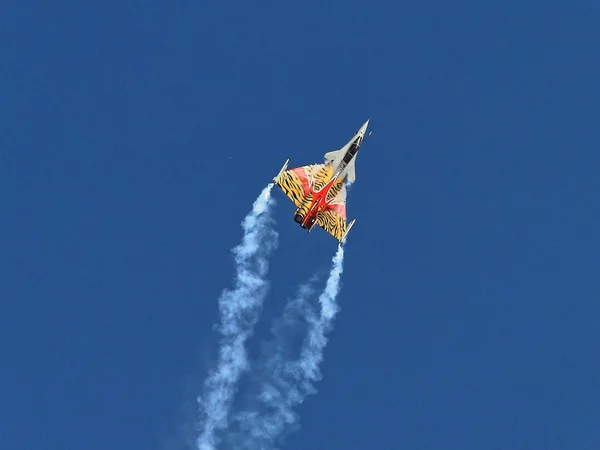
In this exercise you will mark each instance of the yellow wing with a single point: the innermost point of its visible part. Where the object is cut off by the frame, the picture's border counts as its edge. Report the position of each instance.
(333, 219)
(332, 222)
(297, 183)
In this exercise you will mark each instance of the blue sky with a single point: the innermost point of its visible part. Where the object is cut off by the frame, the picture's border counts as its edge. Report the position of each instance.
(135, 136)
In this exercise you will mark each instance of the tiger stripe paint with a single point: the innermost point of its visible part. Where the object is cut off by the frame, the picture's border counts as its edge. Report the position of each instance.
(319, 190)
(313, 186)
(293, 186)
(332, 222)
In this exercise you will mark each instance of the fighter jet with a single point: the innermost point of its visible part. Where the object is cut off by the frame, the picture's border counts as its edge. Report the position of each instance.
(319, 190)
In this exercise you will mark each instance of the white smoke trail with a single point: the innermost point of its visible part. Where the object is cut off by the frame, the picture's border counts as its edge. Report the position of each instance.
(239, 310)
(285, 383)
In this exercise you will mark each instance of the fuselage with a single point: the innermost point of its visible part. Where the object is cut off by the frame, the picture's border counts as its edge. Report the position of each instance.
(318, 203)
(342, 163)
(345, 156)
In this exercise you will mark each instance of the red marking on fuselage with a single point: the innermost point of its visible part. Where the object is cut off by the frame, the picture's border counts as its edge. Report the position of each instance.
(319, 203)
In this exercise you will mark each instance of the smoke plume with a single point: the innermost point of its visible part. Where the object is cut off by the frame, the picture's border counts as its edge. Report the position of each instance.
(285, 382)
(239, 310)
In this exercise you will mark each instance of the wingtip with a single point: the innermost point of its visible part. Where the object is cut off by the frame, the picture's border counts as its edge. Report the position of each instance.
(276, 178)
(342, 241)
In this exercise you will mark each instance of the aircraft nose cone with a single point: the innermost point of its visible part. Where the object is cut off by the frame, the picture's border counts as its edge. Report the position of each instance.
(363, 129)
